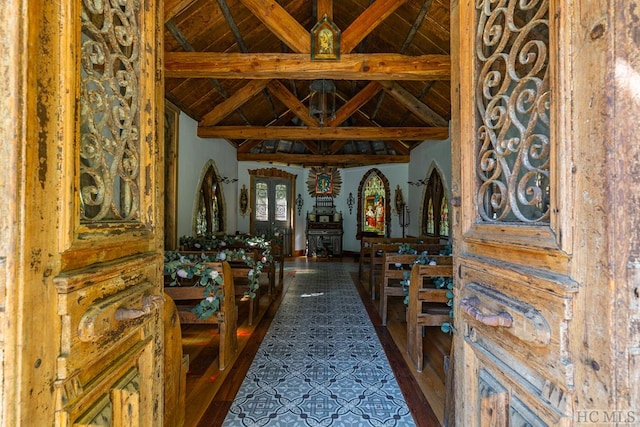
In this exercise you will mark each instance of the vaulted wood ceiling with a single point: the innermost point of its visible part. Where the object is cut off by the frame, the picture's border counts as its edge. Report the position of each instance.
(242, 70)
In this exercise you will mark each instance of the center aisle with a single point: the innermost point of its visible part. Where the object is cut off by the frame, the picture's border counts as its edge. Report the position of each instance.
(321, 362)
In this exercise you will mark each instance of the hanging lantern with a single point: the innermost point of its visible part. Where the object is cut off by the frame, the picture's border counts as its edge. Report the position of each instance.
(322, 100)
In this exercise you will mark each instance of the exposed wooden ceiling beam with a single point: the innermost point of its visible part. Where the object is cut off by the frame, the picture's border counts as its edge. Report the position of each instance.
(323, 159)
(357, 101)
(325, 133)
(280, 91)
(234, 102)
(413, 104)
(281, 23)
(299, 66)
(366, 23)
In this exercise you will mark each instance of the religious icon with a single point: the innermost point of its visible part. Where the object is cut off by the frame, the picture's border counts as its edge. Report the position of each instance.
(325, 40)
(323, 183)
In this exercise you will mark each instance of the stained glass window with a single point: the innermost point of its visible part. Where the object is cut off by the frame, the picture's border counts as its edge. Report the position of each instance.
(281, 202)
(435, 208)
(373, 205)
(209, 216)
(262, 201)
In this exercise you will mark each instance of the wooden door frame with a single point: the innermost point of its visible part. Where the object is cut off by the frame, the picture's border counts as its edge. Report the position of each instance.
(41, 235)
(274, 173)
(595, 213)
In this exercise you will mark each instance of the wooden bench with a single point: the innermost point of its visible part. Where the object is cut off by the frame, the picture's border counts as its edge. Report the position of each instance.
(240, 273)
(186, 296)
(377, 250)
(427, 305)
(393, 267)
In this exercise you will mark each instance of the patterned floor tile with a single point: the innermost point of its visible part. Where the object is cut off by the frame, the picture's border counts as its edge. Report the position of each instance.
(321, 363)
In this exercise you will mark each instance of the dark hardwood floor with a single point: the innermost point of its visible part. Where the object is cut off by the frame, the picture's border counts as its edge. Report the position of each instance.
(210, 392)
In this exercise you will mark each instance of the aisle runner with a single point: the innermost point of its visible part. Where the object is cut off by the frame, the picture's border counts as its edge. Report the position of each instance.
(321, 363)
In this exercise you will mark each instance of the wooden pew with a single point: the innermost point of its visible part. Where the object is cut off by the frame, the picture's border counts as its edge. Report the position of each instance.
(427, 306)
(187, 296)
(377, 250)
(240, 273)
(393, 267)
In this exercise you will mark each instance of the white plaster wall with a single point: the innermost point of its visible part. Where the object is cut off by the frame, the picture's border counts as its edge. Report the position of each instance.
(427, 155)
(193, 154)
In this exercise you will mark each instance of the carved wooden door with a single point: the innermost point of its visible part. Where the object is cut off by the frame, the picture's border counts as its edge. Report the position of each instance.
(544, 310)
(85, 300)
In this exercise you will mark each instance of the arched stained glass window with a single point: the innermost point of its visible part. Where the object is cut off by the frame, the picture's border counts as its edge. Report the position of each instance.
(373, 204)
(435, 208)
(209, 218)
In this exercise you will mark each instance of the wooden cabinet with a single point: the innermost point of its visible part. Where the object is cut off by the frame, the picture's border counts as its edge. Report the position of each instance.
(324, 229)
(324, 239)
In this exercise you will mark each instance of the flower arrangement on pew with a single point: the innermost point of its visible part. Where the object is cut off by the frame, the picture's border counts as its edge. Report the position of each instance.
(198, 273)
(439, 282)
(233, 248)
(211, 242)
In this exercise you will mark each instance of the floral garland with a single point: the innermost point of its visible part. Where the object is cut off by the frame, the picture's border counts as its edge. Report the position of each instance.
(198, 273)
(193, 267)
(439, 282)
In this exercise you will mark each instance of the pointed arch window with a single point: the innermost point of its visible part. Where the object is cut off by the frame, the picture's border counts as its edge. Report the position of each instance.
(209, 215)
(435, 208)
(373, 204)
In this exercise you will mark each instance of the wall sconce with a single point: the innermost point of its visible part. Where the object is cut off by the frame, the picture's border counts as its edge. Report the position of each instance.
(350, 202)
(418, 183)
(299, 203)
(322, 100)
(227, 180)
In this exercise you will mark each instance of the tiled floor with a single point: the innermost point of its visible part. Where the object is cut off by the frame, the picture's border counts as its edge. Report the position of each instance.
(320, 364)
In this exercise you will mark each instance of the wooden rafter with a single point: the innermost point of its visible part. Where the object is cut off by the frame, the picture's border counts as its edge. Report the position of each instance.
(416, 24)
(325, 133)
(280, 91)
(355, 66)
(234, 102)
(355, 103)
(413, 104)
(323, 159)
(367, 22)
(281, 23)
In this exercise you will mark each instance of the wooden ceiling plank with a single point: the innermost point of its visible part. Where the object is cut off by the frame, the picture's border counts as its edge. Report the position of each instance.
(281, 92)
(323, 159)
(355, 103)
(416, 24)
(413, 104)
(366, 23)
(172, 8)
(224, 8)
(281, 23)
(233, 102)
(356, 66)
(324, 7)
(324, 133)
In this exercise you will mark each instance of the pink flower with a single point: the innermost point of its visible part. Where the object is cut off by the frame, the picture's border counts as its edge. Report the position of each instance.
(183, 273)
